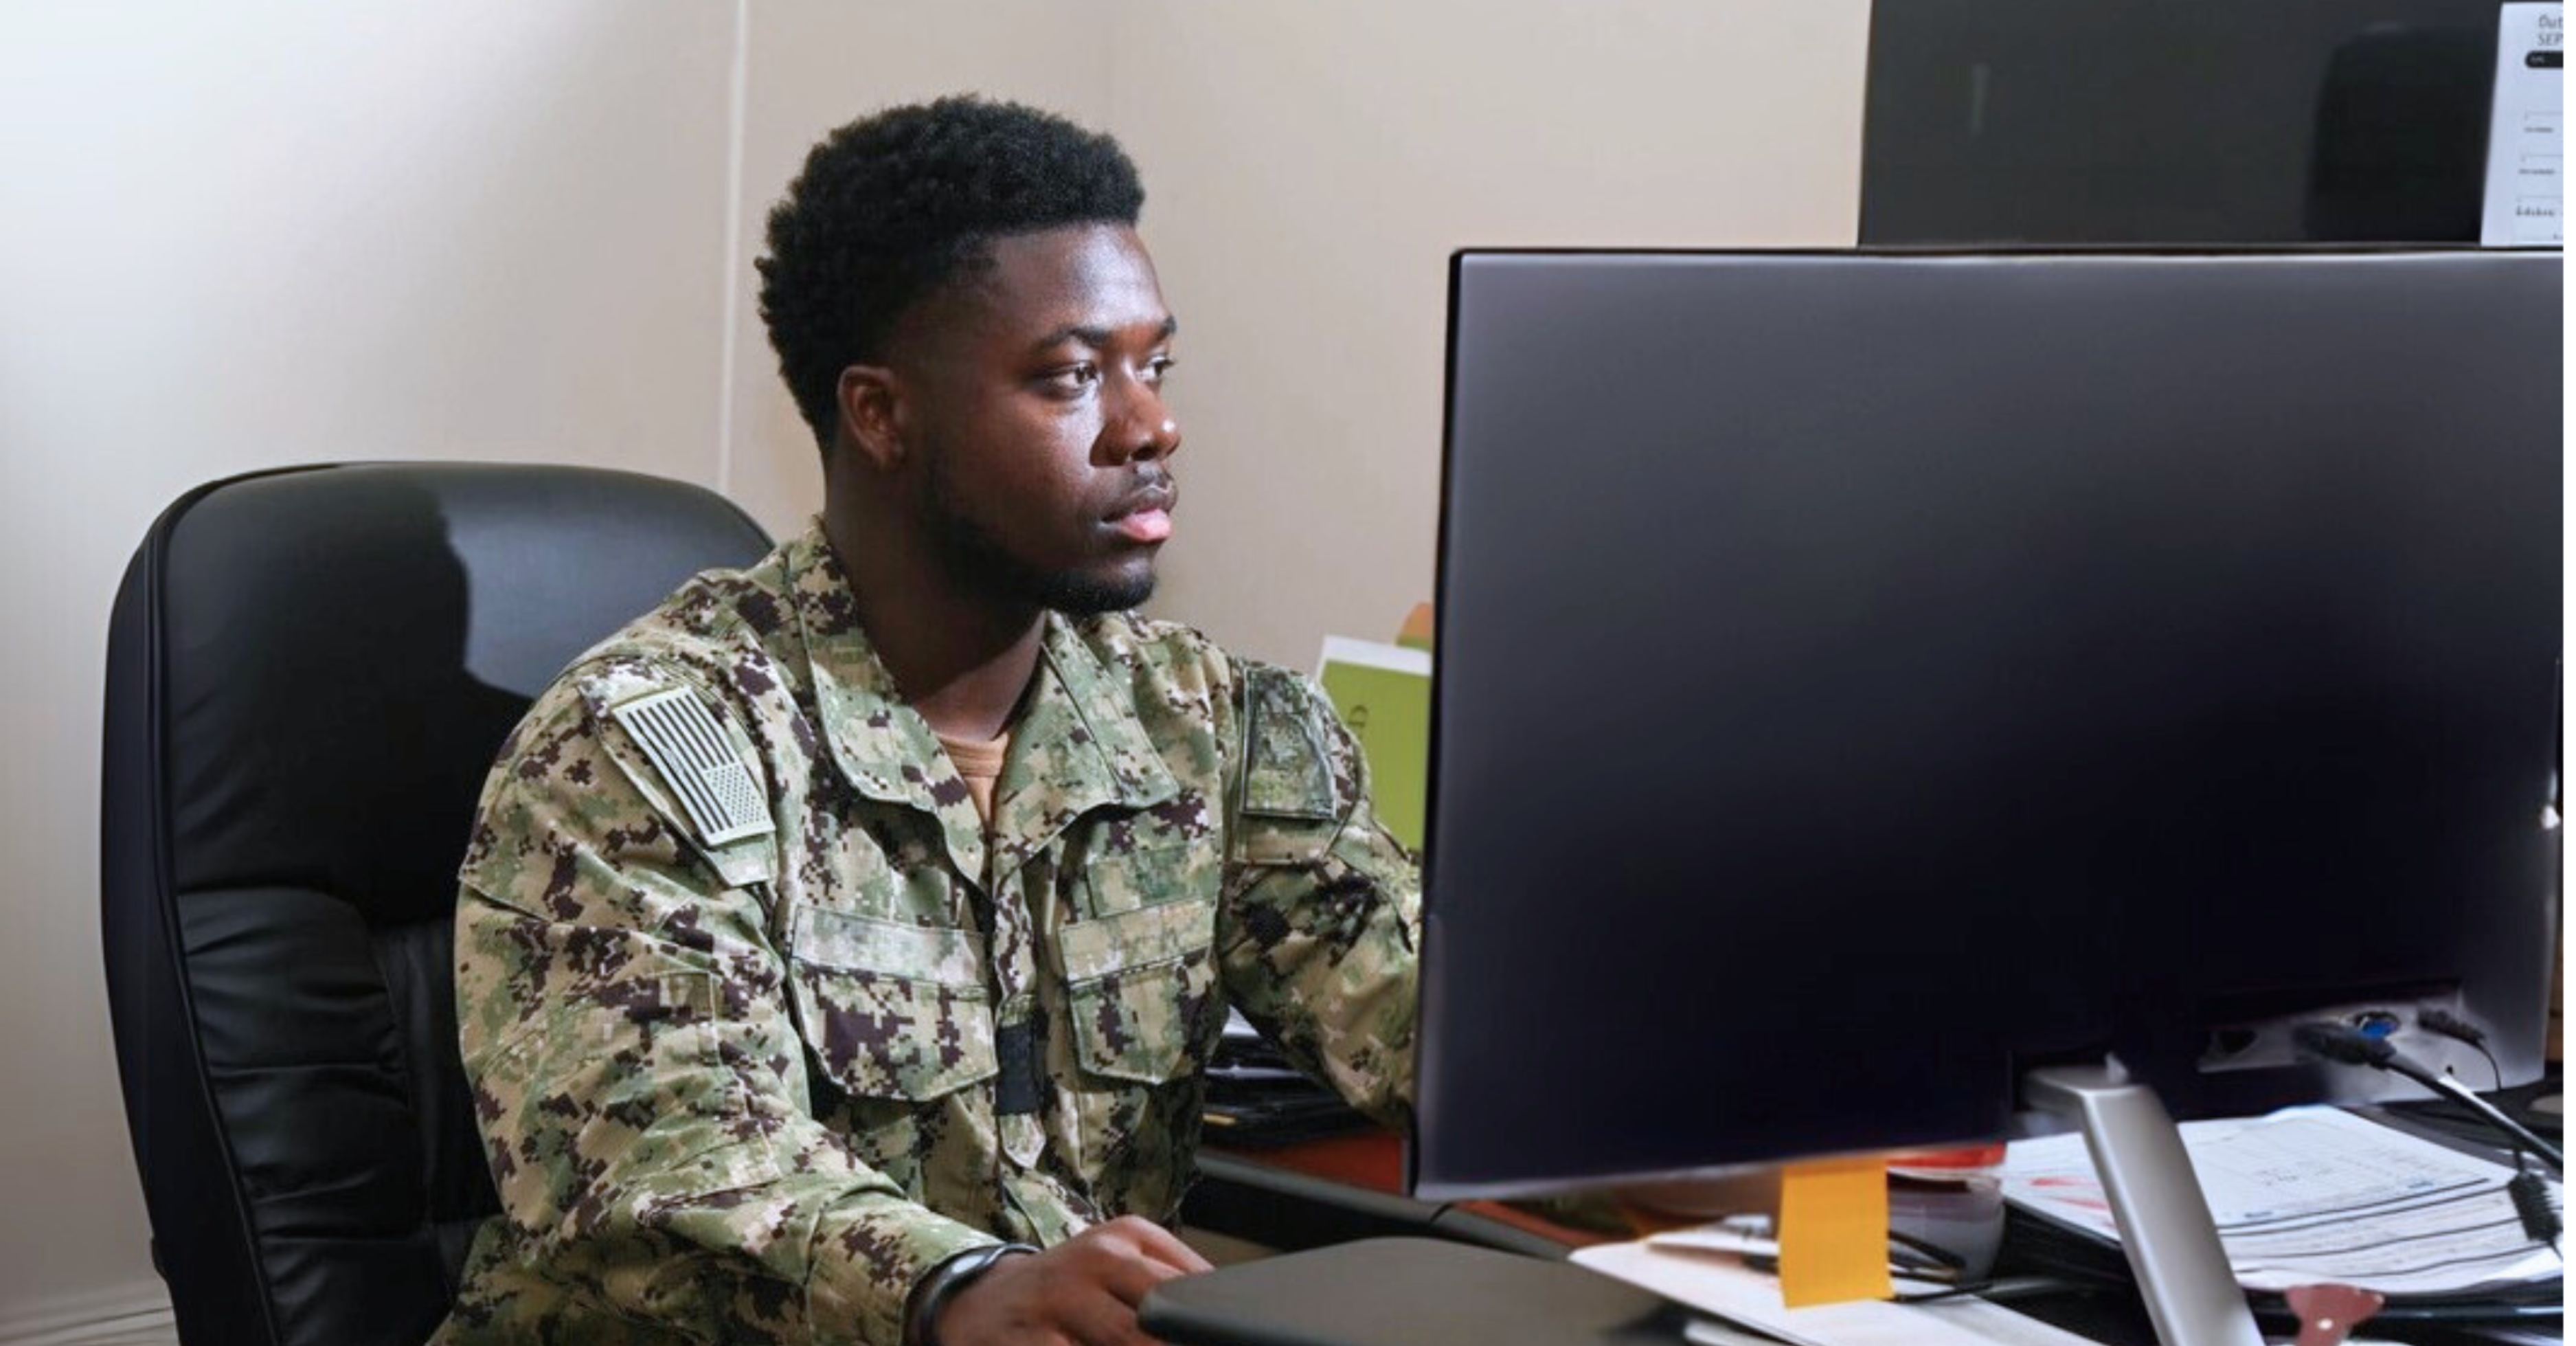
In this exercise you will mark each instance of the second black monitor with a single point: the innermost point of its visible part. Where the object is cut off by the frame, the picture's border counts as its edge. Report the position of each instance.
(1865, 677)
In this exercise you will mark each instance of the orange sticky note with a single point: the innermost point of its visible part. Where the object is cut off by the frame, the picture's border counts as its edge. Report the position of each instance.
(1833, 1232)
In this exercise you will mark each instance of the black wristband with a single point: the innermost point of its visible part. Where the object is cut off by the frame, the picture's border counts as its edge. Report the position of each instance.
(941, 1284)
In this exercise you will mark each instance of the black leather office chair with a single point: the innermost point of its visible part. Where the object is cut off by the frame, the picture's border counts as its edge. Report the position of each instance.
(308, 674)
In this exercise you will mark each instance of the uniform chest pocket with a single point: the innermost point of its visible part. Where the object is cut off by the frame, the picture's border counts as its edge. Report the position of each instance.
(1149, 866)
(1141, 988)
(891, 1010)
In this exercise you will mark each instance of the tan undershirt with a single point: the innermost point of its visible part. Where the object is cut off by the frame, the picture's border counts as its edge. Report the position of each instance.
(979, 765)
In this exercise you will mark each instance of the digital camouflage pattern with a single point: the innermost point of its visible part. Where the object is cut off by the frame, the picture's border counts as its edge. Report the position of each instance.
(753, 1091)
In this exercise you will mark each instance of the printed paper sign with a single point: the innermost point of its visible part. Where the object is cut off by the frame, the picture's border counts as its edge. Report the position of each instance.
(2524, 140)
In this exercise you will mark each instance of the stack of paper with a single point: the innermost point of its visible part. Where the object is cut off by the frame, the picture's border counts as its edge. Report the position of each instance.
(2317, 1196)
(1721, 1285)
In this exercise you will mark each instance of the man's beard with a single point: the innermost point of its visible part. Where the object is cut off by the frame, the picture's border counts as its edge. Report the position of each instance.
(981, 560)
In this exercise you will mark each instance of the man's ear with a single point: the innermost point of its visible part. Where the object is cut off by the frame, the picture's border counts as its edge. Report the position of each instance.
(871, 404)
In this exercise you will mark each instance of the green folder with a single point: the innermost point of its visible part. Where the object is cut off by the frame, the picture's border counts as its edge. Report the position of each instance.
(1384, 694)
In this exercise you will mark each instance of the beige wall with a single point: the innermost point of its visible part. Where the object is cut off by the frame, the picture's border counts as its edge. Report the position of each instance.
(1309, 167)
(261, 233)
(252, 234)
(815, 64)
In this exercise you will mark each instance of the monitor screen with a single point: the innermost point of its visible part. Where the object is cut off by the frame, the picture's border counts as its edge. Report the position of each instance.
(2145, 121)
(1866, 677)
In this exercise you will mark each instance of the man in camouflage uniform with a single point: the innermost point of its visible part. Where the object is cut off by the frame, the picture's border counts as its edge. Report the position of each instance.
(841, 943)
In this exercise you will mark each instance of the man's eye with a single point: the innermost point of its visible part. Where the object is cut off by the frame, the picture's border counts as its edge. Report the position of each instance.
(1157, 367)
(1074, 378)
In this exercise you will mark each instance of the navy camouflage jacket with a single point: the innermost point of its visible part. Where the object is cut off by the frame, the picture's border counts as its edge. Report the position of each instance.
(763, 1023)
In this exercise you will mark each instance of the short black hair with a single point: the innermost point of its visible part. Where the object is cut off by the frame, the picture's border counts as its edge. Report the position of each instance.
(893, 206)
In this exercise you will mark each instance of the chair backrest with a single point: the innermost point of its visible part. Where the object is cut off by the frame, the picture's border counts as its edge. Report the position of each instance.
(309, 672)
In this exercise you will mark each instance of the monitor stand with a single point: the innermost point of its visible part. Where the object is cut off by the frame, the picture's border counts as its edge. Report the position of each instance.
(2165, 1229)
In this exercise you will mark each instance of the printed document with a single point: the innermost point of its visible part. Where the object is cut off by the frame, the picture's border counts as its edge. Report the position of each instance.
(2525, 192)
(2318, 1195)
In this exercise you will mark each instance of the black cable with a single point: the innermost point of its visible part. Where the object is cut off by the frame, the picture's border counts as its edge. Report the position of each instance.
(2528, 1190)
(2344, 1043)
(1995, 1288)
(2452, 1026)
(2341, 1042)
(2539, 1214)
(2493, 1115)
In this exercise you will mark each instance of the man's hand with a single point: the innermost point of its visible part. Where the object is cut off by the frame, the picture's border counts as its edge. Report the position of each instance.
(1081, 1292)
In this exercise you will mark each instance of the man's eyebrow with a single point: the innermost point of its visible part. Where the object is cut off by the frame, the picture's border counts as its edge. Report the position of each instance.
(1101, 336)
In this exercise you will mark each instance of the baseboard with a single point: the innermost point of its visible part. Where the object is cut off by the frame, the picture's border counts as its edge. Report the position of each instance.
(136, 1314)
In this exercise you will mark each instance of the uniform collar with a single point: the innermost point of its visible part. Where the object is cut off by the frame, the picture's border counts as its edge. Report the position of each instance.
(1076, 746)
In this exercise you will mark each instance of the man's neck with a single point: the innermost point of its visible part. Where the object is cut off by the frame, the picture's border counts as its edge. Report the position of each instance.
(959, 658)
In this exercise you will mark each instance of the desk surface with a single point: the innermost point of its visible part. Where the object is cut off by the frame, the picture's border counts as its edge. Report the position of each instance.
(1361, 1176)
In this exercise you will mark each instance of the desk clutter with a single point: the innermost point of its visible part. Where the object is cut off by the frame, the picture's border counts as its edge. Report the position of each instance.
(1257, 1100)
(2313, 1205)
(1967, 1264)
(2321, 1196)
(1747, 1305)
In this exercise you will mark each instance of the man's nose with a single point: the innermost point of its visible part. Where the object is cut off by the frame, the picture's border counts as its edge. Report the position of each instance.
(1143, 428)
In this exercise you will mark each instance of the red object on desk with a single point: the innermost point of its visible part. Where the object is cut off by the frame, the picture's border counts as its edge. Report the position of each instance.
(1965, 1159)
(2329, 1313)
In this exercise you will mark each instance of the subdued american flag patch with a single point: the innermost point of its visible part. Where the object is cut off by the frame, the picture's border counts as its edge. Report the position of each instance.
(699, 764)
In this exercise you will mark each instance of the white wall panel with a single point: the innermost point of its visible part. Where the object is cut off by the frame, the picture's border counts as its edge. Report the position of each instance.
(240, 235)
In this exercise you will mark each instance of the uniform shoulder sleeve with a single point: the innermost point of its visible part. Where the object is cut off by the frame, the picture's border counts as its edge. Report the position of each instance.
(620, 731)
(1322, 908)
(1298, 779)
(627, 1026)
(1294, 748)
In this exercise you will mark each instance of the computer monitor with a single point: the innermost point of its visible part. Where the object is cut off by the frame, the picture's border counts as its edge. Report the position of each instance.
(1866, 678)
(2130, 121)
